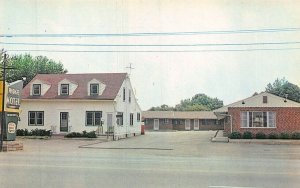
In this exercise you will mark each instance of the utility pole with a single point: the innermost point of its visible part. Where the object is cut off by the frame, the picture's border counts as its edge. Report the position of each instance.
(3, 99)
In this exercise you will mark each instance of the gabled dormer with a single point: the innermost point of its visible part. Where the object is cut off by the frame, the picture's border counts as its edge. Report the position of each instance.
(39, 88)
(95, 87)
(66, 87)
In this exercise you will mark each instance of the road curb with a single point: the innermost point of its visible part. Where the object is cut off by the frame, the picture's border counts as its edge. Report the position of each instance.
(265, 141)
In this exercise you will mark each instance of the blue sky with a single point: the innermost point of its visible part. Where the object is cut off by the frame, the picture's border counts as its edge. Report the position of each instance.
(165, 77)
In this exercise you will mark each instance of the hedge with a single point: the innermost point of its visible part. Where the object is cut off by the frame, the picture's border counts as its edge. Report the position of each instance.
(34, 132)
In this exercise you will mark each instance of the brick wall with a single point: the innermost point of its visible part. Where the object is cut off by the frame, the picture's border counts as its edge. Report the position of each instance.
(287, 120)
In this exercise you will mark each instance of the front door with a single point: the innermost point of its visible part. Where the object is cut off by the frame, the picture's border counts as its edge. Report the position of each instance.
(109, 122)
(64, 118)
(187, 124)
(156, 125)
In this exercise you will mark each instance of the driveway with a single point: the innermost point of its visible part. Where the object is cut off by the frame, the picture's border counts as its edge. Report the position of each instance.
(157, 159)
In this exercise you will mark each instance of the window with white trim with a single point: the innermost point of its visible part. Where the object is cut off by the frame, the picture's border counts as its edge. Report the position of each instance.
(94, 89)
(129, 95)
(124, 94)
(131, 118)
(258, 119)
(138, 117)
(120, 118)
(166, 121)
(93, 118)
(36, 118)
(36, 89)
(64, 89)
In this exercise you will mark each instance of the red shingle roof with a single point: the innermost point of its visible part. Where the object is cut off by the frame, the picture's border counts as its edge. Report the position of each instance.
(113, 82)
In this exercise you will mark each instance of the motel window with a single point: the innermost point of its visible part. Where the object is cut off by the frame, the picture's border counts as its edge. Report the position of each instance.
(94, 89)
(131, 118)
(258, 119)
(93, 118)
(138, 117)
(166, 121)
(64, 89)
(120, 118)
(35, 118)
(36, 89)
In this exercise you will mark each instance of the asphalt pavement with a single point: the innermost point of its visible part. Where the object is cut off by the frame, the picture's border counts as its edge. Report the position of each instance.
(157, 159)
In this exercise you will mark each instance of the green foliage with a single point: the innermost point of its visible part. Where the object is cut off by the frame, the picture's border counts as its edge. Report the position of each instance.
(273, 136)
(84, 134)
(260, 135)
(235, 135)
(284, 136)
(163, 107)
(247, 135)
(35, 132)
(296, 135)
(200, 102)
(91, 134)
(29, 66)
(280, 87)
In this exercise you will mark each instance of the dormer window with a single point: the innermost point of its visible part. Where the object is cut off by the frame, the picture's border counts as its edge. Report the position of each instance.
(64, 89)
(36, 89)
(94, 89)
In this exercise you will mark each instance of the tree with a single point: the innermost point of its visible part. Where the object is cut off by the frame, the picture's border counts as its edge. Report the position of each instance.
(281, 87)
(163, 107)
(199, 102)
(26, 65)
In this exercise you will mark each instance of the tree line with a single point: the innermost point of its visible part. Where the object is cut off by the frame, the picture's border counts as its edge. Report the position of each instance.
(202, 102)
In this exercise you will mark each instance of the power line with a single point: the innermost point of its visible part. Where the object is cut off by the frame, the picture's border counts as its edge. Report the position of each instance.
(151, 45)
(155, 51)
(242, 31)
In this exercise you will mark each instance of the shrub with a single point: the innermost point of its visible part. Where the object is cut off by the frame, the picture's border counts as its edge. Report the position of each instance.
(296, 135)
(73, 135)
(35, 132)
(247, 135)
(235, 135)
(284, 135)
(20, 132)
(91, 134)
(273, 136)
(260, 135)
(84, 134)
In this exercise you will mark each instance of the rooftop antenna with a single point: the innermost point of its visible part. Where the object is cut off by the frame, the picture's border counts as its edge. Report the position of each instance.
(130, 68)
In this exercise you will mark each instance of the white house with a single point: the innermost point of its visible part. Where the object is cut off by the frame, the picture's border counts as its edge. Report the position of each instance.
(76, 102)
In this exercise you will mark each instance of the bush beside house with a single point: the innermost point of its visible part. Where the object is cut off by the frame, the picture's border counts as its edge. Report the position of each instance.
(34, 132)
(261, 135)
(84, 134)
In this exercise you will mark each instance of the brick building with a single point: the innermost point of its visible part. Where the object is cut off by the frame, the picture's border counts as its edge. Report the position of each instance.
(263, 112)
(175, 120)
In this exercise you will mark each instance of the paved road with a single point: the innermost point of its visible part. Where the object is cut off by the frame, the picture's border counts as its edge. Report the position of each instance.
(170, 159)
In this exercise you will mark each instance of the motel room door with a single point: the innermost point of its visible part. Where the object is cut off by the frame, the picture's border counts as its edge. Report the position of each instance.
(196, 124)
(156, 125)
(187, 124)
(64, 118)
